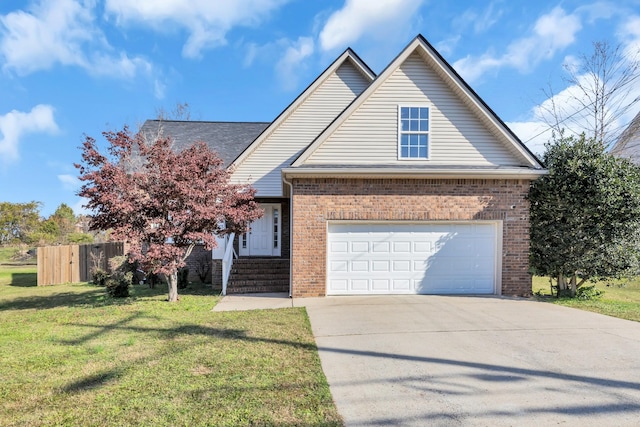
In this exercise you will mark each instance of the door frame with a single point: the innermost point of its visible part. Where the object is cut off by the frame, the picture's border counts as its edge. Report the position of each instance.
(273, 216)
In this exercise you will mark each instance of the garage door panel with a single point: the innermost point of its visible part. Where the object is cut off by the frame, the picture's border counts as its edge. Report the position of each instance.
(339, 285)
(402, 247)
(359, 284)
(484, 267)
(422, 247)
(403, 266)
(446, 258)
(339, 247)
(381, 266)
(381, 247)
(338, 266)
(402, 285)
(378, 285)
(359, 266)
(359, 247)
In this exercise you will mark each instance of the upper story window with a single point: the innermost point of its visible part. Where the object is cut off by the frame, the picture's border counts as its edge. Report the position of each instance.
(414, 133)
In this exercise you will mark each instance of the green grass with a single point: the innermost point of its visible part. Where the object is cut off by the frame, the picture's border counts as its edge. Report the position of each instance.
(21, 276)
(72, 356)
(621, 298)
(8, 256)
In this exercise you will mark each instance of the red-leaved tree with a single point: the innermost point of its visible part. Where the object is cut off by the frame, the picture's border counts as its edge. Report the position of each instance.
(160, 200)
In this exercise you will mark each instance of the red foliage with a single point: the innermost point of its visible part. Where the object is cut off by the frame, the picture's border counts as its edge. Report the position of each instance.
(160, 200)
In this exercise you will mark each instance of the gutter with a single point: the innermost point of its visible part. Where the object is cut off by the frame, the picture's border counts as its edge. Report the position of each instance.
(284, 179)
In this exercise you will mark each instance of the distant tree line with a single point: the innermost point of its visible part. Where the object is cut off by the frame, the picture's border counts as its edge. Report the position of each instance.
(22, 224)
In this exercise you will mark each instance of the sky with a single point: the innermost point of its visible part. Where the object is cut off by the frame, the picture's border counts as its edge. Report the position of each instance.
(70, 68)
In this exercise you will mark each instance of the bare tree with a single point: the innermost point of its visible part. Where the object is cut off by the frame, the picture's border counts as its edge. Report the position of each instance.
(602, 90)
(182, 111)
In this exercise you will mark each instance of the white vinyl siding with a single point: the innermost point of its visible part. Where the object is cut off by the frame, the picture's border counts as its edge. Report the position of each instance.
(262, 167)
(370, 134)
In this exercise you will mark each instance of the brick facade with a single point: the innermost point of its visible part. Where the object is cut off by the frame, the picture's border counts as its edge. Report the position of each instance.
(318, 200)
(199, 259)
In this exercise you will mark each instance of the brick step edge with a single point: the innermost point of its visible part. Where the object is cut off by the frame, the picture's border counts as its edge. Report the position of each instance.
(257, 289)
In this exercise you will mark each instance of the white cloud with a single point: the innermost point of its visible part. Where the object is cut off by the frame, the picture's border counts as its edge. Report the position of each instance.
(600, 10)
(488, 19)
(207, 22)
(359, 17)
(159, 89)
(251, 54)
(16, 124)
(551, 33)
(121, 66)
(62, 32)
(569, 103)
(533, 133)
(629, 33)
(571, 63)
(288, 66)
(69, 182)
(568, 106)
(446, 46)
(479, 22)
(53, 32)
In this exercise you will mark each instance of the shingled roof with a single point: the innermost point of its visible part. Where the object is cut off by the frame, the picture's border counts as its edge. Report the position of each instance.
(628, 144)
(228, 139)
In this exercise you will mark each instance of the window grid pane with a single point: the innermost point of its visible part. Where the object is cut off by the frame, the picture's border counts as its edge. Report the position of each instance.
(414, 128)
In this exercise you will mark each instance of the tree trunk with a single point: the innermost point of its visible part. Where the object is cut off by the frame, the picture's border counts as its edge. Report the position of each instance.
(573, 286)
(562, 285)
(172, 281)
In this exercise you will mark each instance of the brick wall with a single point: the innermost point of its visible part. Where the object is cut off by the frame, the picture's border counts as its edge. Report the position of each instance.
(197, 258)
(318, 200)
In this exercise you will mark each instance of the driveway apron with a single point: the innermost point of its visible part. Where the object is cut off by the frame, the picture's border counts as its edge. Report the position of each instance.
(485, 361)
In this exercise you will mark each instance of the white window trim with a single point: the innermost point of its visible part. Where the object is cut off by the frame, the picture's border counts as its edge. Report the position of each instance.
(399, 137)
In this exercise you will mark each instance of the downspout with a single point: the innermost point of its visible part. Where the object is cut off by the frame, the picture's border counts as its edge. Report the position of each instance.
(290, 234)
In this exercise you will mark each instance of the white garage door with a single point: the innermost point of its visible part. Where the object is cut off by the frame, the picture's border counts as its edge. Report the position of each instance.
(411, 258)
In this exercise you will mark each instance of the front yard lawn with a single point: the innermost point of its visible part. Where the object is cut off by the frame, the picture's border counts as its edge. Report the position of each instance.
(72, 356)
(621, 298)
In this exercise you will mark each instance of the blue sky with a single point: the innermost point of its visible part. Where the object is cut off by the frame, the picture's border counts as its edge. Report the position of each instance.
(75, 67)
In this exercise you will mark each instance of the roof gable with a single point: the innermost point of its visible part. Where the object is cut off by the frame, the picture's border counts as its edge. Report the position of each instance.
(300, 123)
(348, 55)
(418, 75)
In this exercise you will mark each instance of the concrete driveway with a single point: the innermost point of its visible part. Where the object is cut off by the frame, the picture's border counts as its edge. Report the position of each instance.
(435, 360)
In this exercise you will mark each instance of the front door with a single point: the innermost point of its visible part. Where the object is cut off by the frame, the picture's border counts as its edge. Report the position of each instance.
(264, 238)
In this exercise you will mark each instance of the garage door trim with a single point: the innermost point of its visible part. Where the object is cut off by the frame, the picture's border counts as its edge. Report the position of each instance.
(497, 243)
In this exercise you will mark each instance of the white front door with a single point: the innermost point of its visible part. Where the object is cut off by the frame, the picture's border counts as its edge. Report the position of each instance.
(264, 238)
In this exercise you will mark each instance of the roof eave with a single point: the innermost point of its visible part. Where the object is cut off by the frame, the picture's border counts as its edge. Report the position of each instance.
(440, 173)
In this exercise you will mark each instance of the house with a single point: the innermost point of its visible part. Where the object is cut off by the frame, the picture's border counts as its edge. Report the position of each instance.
(400, 183)
(628, 144)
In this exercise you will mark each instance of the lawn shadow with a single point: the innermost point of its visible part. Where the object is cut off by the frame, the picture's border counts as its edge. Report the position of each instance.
(24, 279)
(60, 299)
(91, 382)
(193, 288)
(188, 329)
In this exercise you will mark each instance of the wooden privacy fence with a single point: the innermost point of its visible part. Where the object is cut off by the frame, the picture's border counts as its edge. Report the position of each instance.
(75, 263)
